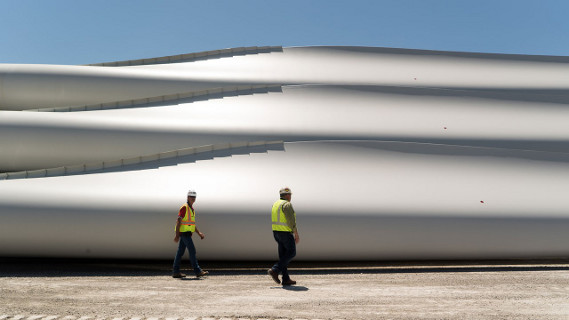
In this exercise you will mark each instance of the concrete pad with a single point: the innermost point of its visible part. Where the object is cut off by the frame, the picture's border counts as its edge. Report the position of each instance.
(435, 290)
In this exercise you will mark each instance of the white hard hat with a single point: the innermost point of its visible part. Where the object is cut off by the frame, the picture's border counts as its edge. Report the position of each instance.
(191, 193)
(285, 190)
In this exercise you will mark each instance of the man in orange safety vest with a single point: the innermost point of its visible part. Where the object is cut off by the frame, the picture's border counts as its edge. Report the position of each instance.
(185, 227)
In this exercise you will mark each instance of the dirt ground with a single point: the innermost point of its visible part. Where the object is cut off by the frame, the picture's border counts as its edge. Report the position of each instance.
(406, 290)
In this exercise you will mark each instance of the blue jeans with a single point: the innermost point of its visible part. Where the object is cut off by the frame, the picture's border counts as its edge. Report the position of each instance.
(287, 251)
(186, 242)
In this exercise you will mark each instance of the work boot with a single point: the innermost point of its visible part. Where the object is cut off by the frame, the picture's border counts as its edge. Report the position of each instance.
(202, 273)
(274, 275)
(289, 282)
(178, 275)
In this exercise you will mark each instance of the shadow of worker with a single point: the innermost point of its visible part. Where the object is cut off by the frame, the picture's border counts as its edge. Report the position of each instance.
(291, 288)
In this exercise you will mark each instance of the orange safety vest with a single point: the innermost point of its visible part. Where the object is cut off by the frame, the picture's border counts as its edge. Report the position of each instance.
(189, 221)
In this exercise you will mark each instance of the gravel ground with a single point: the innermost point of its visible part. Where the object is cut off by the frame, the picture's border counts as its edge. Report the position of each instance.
(436, 290)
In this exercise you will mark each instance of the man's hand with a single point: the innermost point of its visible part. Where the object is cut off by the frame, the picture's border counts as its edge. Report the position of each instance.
(296, 238)
(177, 238)
(201, 235)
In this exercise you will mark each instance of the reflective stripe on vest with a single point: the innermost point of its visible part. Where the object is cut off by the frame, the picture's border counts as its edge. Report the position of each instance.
(188, 223)
(278, 217)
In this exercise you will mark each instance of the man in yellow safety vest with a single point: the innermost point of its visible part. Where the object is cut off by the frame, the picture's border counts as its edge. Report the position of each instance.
(185, 227)
(286, 235)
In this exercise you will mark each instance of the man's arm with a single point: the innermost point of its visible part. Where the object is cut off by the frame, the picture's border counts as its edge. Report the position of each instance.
(178, 223)
(291, 220)
(199, 233)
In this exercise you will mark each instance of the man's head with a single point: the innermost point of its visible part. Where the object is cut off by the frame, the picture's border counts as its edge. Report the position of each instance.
(191, 197)
(285, 193)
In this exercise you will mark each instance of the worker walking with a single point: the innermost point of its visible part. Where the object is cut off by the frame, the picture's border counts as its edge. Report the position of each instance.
(284, 226)
(185, 227)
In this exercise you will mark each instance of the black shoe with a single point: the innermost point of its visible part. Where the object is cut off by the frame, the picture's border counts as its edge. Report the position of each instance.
(178, 275)
(202, 273)
(274, 275)
(289, 282)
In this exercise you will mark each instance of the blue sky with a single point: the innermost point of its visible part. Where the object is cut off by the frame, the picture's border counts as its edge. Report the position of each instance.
(90, 31)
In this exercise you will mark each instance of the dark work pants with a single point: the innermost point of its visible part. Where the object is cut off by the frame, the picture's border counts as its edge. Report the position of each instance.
(186, 243)
(287, 251)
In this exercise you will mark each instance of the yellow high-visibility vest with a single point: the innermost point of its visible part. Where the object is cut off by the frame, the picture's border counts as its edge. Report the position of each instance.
(189, 221)
(278, 217)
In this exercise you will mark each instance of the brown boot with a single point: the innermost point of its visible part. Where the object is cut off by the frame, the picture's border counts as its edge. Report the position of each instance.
(289, 282)
(202, 273)
(274, 275)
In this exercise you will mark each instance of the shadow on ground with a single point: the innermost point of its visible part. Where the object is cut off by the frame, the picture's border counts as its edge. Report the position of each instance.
(40, 267)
